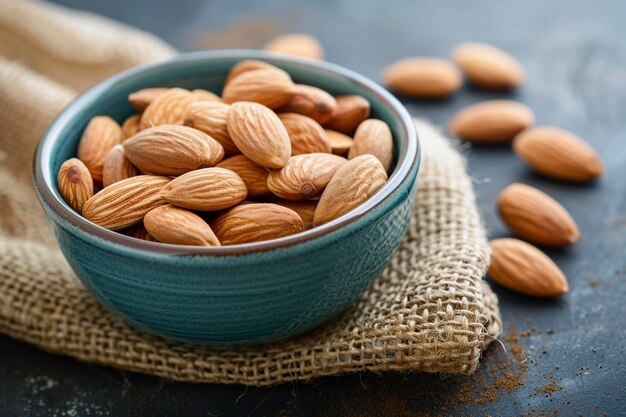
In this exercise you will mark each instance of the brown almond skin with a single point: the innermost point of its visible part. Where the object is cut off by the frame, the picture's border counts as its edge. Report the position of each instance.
(138, 231)
(488, 67)
(177, 226)
(354, 183)
(200, 95)
(124, 203)
(523, 268)
(253, 175)
(269, 87)
(141, 99)
(340, 143)
(256, 222)
(558, 154)
(296, 44)
(305, 209)
(131, 126)
(312, 102)
(259, 134)
(172, 150)
(351, 111)
(536, 217)
(168, 108)
(75, 183)
(304, 176)
(492, 122)
(373, 137)
(99, 137)
(117, 167)
(206, 189)
(305, 134)
(245, 66)
(210, 118)
(425, 78)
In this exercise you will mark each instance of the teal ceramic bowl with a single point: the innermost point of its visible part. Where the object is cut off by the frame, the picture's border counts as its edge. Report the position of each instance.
(250, 293)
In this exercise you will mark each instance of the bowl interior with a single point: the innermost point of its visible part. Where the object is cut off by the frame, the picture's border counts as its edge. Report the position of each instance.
(207, 70)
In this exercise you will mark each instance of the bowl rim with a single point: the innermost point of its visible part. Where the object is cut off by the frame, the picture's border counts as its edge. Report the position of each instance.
(44, 182)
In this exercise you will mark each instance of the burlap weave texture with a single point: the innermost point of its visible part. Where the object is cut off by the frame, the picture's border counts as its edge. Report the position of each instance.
(429, 311)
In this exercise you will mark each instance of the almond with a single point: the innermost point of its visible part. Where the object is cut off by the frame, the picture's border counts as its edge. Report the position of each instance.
(306, 135)
(256, 222)
(521, 267)
(210, 118)
(124, 203)
(423, 77)
(339, 142)
(536, 216)
(200, 95)
(355, 182)
(351, 111)
(168, 108)
(495, 121)
(206, 189)
(100, 136)
(140, 99)
(304, 176)
(117, 167)
(131, 126)
(305, 209)
(172, 150)
(312, 102)
(558, 154)
(75, 183)
(138, 231)
(296, 44)
(488, 67)
(253, 175)
(177, 226)
(270, 87)
(247, 65)
(373, 137)
(259, 134)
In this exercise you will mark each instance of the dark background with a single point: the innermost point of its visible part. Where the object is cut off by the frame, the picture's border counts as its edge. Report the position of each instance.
(573, 347)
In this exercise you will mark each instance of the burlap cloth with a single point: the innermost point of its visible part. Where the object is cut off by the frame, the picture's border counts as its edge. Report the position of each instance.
(430, 311)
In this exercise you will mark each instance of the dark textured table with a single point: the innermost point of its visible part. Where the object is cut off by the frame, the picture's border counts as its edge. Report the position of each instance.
(564, 356)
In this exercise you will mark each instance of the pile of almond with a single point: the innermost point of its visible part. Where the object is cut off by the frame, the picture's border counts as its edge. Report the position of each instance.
(553, 152)
(267, 159)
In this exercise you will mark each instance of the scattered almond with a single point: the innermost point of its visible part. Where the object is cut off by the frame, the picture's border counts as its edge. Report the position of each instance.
(423, 77)
(207, 189)
(210, 118)
(126, 202)
(297, 44)
(351, 111)
(172, 150)
(305, 134)
(270, 87)
(312, 102)
(100, 136)
(256, 222)
(75, 183)
(521, 267)
(339, 142)
(304, 176)
(253, 175)
(488, 67)
(141, 99)
(356, 181)
(259, 134)
(536, 217)
(168, 108)
(373, 137)
(558, 154)
(490, 122)
(131, 126)
(177, 226)
(117, 167)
